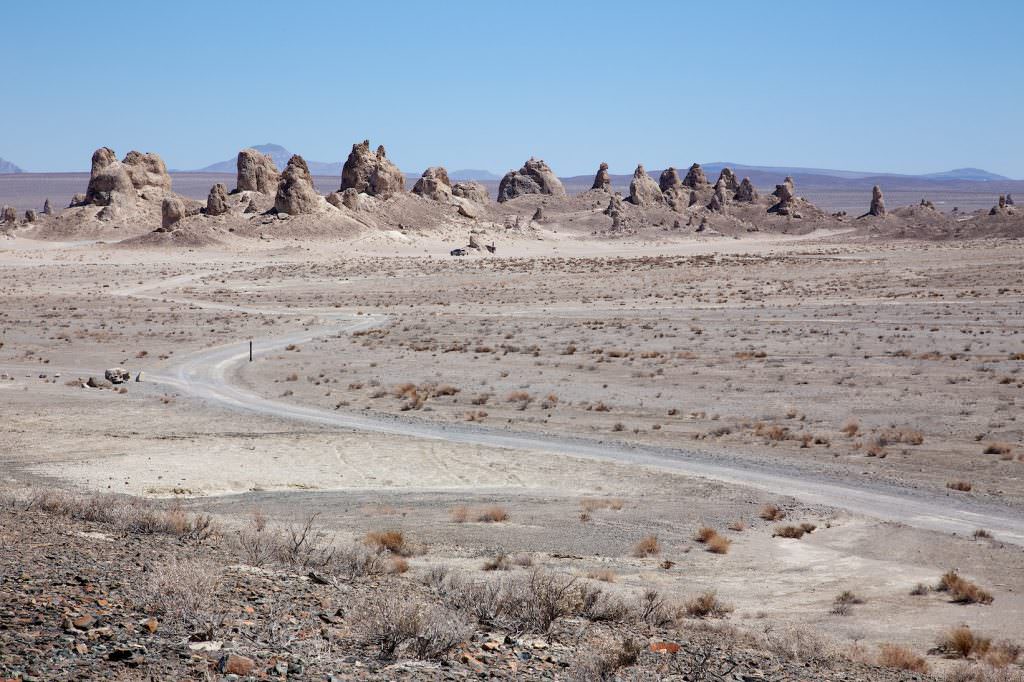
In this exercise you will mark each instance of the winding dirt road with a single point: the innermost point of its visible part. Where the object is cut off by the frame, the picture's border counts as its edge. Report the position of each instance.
(207, 375)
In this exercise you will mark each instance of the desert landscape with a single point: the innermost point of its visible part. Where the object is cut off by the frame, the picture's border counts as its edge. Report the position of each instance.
(702, 430)
(581, 342)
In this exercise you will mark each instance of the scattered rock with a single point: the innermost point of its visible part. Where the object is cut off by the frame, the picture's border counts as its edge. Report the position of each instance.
(30, 216)
(370, 173)
(235, 664)
(468, 209)
(538, 215)
(252, 207)
(94, 382)
(117, 375)
(217, 201)
(8, 215)
(669, 180)
(256, 172)
(602, 180)
(474, 191)
(108, 213)
(78, 199)
(434, 184)
(295, 192)
(47, 208)
(746, 192)
(695, 178)
(643, 191)
(535, 177)
(1009, 200)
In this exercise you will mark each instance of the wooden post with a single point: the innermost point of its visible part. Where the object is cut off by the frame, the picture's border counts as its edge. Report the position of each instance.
(250, 350)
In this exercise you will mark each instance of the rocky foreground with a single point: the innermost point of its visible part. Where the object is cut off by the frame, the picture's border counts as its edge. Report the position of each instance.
(111, 588)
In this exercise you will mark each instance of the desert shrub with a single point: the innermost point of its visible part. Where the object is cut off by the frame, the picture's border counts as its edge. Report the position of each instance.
(500, 562)
(707, 605)
(739, 525)
(182, 589)
(393, 623)
(704, 534)
(647, 546)
(998, 449)
(127, 514)
(604, 661)
(981, 534)
(893, 656)
(654, 609)
(850, 427)
(792, 532)
(397, 565)
(460, 514)
(920, 589)
(605, 575)
(493, 514)
(971, 672)
(392, 541)
(770, 512)
(598, 605)
(962, 486)
(961, 590)
(844, 602)
(808, 527)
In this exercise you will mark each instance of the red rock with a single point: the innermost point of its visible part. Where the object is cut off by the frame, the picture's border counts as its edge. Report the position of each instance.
(236, 665)
(665, 647)
(83, 622)
(151, 625)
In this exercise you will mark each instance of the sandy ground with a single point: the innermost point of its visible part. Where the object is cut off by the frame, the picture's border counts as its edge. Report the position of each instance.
(733, 348)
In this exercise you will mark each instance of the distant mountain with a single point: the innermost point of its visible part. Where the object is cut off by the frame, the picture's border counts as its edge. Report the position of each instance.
(472, 174)
(8, 168)
(975, 174)
(969, 174)
(280, 156)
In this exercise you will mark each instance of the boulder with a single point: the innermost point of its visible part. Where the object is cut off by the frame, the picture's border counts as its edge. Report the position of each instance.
(256, 172)
(927, 204)
(1001, 207)
(371, 173)
(295, 192)
(172, 210)
(602, 180)
(117, 375)
(695, 178)
(8, 215)
(252, 207)
(348, 199)
(78, 199)
(729, 178)
(644, 191)
(1009, 200)
(745, 193)
(147, 170)
(93, 382)
(474, 191)
(538, 215)
(718, 199)
(217, 201)
(109, 212)
(30, 216)
(47, 208)
(877, 202)
(434, 184)
(669, 180)
(535, 177)
(109, 180)
(467, 208)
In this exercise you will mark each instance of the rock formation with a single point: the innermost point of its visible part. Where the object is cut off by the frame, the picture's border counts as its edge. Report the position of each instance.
(47, 209)
(785, 193)
(252, 207)
(729, 178)
(256, 172)
(474, 191)
(695, 178)
(295, 192)
(643, 191)
(217, 201)
(108, 179)
(109, 212)
(1009, 200)
(877, 202)
(669, 180)
(718, 199)
(434, 184)
(172, 210)
(614, 206)
(538, 215)
(535, 177)
(602, 180)
(30, 216)
(8, 215)
(77, 200)
(147, 170)
(745, 193)
(371, 173)
(927, 204)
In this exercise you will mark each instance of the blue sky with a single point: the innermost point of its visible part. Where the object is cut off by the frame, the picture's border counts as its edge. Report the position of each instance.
(907, 86)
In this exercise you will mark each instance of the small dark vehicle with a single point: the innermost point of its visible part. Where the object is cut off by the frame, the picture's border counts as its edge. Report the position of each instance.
(458, 252)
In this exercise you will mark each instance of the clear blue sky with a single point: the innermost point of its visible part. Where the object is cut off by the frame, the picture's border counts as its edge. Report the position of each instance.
(899, 86)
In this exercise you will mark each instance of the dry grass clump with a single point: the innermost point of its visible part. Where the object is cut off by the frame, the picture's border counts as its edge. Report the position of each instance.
(605, 575)
(707, 605)
(607, 658)
(591, 504)
(770, 512)
(851, 427)
(893, 656)
(972, 672)
(962, 591)
(716, 544)
(647, 546)
(962, 486)
(963, 642)
(704, 534)
(491, 514)
(500, 562)
(998, 449)
(392, 541)
(791, 532)
(739, 525)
